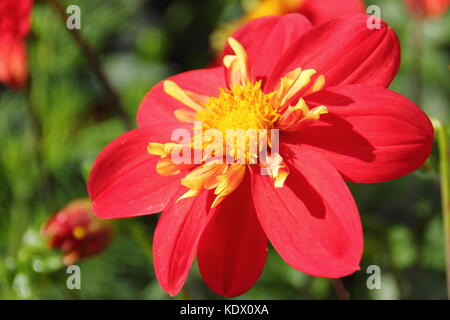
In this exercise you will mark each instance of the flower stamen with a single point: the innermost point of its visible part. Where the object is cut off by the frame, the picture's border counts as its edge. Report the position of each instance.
(237, 65)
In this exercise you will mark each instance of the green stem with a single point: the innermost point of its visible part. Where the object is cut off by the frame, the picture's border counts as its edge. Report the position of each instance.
(339, 286)
(444, 171)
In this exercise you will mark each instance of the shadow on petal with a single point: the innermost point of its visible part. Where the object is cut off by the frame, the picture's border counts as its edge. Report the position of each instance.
(330, 128)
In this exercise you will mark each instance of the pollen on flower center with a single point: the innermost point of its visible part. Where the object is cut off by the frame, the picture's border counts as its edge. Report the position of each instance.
(241, 107)
(243, 117)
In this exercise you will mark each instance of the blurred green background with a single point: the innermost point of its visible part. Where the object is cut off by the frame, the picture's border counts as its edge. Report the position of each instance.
(51, 134)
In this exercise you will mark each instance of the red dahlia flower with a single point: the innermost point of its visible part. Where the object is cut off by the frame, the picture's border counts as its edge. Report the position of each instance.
(324, 88)
(428, 8)
(14, 27)
(315, 10)
(77, 232)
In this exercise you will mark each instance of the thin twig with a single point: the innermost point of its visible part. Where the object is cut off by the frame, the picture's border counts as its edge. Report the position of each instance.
(444, 172)
(96, 65)
(339, 287)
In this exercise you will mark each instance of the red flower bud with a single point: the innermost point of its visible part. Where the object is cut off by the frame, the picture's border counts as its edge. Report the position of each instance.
(77, 232)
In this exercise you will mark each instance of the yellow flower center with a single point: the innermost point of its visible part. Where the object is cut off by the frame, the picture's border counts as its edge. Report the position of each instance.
(241, 107)
(243, 117)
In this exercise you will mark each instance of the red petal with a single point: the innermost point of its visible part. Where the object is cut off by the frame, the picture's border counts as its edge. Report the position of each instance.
(157, 107)
(370, 135)
(346, 51)
(123, 181)
(324, 10)
(176, 239)
(266, 39)
(312, 221)
(233, 249)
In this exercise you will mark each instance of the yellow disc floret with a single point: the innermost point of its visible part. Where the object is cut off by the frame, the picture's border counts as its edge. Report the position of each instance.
(241, 107)
(243, 115)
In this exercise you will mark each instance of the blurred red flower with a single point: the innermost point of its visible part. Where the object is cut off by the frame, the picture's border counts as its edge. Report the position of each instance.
(77, 232)
(428, 8)
(14, 27)
(316, 11)
(324, 88)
